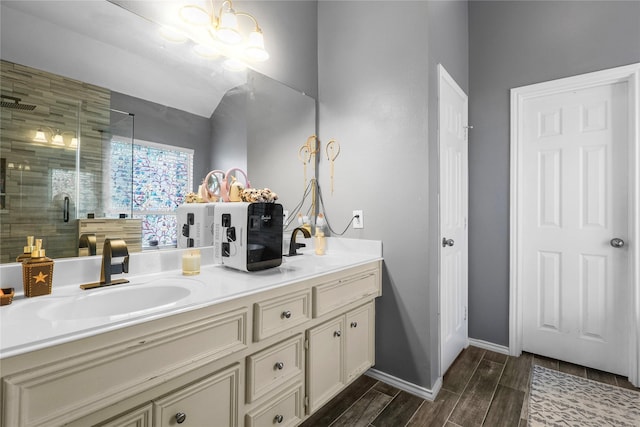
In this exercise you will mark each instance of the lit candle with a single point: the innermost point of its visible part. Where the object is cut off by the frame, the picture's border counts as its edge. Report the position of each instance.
(191, 262)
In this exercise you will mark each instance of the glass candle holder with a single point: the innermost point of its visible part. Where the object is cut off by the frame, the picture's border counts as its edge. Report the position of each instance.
(191, 262)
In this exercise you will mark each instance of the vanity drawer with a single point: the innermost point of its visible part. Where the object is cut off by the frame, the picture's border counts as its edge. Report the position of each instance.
(285, 411)
(274, 366)
(332, 295)
(278, 314)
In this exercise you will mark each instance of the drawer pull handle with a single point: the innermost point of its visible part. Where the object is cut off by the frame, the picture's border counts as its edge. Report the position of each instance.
(278, 419)
(337, 334)
(354, 324)
(181, 417)
(279, 366)
(286, 314)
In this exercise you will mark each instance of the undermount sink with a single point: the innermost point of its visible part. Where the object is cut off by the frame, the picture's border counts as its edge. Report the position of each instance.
(123, 300)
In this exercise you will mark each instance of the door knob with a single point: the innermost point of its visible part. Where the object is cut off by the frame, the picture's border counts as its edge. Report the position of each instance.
(617, 243)
(447, 242)
(181, 417)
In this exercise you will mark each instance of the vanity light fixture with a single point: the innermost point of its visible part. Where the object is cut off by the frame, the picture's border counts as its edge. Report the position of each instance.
(223, 27)
(57, 137)
(40, 136)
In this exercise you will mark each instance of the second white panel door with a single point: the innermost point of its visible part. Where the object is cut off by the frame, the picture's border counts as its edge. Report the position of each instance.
(575, 203)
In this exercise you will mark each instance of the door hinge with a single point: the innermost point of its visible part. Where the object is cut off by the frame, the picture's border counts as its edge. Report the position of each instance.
(465, 313)
(306, 401)
(466, 131)
(306, 344)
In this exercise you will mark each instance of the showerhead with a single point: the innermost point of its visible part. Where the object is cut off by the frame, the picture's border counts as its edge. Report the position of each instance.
(15, 104)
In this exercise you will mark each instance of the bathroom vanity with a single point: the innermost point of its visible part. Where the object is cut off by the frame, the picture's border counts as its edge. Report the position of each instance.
(239, 349)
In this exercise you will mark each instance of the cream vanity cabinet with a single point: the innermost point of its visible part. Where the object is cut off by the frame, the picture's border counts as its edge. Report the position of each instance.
(342, 348)
(269, 358)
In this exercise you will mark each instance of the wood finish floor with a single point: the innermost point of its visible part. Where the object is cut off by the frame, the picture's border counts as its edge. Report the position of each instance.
(481, 388)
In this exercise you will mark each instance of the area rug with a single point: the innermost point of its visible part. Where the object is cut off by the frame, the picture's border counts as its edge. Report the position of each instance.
(559, 399)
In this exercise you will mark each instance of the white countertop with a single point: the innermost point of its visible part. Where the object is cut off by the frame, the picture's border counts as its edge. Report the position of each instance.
(70, 313)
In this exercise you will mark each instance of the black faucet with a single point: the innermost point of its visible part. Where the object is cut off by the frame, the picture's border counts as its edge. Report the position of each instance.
(293, 245)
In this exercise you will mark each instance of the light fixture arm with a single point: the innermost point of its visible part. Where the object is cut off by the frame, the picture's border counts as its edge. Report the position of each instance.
(219, 15)
(229, 3)
(255, 21)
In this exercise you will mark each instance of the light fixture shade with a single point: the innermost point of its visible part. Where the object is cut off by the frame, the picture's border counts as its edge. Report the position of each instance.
(227, 31)
(255, 48)
(194, 15)
(74, 143)
(57, 139)
(40, 136)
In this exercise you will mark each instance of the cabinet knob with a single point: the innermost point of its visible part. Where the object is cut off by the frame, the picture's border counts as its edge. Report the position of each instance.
(337, 333)
(286, 314)
(180, 417)
(279, 366)
(354, 324)
(278, 419)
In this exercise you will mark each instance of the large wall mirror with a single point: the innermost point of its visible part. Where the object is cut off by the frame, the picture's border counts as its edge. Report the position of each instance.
(94, 95)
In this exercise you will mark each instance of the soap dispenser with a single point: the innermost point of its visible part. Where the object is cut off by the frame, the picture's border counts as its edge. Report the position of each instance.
(37, 272)
(27, 250)
(319, 239)
(306, 224)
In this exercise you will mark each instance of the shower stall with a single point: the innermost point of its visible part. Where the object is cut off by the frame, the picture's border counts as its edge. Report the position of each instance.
(53, 136)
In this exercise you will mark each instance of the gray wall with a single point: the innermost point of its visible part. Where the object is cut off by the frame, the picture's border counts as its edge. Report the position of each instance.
(376, 90)
(165, 125)
(514, 44)
(229, 133)
(290, 32)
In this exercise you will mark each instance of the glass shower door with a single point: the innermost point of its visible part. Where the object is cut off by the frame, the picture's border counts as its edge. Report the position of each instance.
(38, 176)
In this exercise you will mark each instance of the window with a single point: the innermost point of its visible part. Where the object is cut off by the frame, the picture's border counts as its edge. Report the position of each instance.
(150, 180)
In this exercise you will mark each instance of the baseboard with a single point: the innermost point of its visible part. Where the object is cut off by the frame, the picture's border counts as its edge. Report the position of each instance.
(485, 345)
(425, 393)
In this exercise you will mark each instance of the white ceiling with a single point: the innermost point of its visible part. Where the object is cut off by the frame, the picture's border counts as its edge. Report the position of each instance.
(103, 43)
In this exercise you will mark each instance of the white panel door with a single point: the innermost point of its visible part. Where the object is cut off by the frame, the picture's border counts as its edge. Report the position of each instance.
(452, 135)
(575, 202)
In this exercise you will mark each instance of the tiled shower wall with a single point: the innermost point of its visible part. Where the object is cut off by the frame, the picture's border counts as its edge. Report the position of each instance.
(35, 177)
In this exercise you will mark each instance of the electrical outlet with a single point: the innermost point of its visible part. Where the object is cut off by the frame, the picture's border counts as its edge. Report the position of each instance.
(358, 220)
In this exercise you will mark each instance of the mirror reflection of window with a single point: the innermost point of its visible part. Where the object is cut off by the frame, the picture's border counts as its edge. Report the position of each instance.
(162, 177)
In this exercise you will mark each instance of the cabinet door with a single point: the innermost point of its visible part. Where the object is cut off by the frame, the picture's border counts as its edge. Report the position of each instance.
(212, 401)
(325, 373)
(359, 343)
